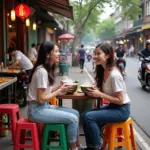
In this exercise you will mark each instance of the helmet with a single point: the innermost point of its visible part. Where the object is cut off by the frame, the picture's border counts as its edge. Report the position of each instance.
(121, 43)
(148, 41)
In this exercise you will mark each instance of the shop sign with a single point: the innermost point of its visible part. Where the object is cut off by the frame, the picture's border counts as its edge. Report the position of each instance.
(22, 11)
(146, 26)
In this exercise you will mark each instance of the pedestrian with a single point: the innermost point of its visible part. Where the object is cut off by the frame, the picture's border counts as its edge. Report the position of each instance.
(20, 60)
(41, 90)
(110, 86)
(131, 51)
(38, 47)
(82, 57)
(32, 52)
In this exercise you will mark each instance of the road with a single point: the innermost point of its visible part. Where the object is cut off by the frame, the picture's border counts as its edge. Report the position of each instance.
(140, 105)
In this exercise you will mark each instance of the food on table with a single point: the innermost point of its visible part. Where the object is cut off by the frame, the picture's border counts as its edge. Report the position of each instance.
(84, 87)
(4, 79)
(12, 70)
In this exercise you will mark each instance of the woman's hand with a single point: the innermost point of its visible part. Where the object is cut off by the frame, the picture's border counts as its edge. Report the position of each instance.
(70, 88)
(94, 92)
(62, 90)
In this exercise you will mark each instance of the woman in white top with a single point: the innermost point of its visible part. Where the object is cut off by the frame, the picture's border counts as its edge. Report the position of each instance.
(41, 90)
(110, 86)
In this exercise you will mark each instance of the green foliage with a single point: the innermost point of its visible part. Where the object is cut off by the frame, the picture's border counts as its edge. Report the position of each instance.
(106, 29)
(130, 8)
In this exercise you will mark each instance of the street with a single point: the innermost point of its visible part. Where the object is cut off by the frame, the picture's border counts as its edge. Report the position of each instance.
(140, 98)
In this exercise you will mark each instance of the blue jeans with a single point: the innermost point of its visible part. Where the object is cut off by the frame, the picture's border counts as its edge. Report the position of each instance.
(106, 114)
(46, 113)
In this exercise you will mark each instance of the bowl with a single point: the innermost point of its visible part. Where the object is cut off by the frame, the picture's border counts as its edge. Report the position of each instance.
(84, 87)
(74, 86)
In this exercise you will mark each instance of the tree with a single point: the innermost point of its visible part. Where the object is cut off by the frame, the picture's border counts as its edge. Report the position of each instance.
(106, 29)
(84, 9)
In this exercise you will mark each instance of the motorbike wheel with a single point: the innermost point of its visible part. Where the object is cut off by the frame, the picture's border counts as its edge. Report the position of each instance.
(22, 97)
(121, 66)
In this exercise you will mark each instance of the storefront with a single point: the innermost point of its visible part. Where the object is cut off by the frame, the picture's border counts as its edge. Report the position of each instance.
(16, 32)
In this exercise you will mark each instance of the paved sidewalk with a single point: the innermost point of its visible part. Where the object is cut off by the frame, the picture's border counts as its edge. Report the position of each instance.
(74, 74)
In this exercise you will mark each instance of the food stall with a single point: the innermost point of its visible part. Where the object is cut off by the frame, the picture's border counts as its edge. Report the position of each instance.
(65, 55)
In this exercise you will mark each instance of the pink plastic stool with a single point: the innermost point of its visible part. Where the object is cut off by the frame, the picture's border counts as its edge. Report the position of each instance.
(13, 111)
(22, 126)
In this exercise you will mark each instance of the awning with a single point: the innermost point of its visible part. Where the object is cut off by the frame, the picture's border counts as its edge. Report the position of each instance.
(61, 7)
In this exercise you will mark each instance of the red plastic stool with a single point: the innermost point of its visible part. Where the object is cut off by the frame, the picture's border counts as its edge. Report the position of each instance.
(22, 126)
(13, 111)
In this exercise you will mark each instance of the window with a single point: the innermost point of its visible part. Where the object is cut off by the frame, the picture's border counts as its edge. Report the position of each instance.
(148, 7)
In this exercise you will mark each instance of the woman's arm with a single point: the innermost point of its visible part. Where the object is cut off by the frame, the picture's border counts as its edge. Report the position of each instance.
(118, 98)
(55, 88)
(44, 97)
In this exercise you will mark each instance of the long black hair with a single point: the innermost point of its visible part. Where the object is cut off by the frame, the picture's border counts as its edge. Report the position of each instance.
(108, 50)
(45, 49)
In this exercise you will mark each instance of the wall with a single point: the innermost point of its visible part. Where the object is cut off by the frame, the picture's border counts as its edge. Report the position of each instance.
(41, 35)
(32, 37)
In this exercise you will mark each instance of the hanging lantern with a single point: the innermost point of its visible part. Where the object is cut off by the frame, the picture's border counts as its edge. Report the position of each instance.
(13, 15)
(22, 11)
(58, 41)
(27, 22)
(34, 26)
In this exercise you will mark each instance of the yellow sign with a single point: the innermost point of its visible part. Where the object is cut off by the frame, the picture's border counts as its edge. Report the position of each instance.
(146, 26)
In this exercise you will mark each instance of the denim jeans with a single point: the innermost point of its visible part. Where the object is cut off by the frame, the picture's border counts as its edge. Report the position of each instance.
(46, 113)
(106, 114)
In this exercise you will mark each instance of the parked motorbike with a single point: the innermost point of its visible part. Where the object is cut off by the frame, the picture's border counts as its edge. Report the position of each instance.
(146, 81)
(22, 88)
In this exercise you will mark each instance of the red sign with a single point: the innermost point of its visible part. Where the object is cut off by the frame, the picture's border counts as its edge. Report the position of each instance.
(22, 11)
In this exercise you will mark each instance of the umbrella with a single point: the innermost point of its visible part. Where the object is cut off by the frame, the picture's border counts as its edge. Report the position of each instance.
(66, 36)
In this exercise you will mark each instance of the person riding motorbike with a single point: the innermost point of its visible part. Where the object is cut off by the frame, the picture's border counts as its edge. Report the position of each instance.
(120, 54)
(145, 53)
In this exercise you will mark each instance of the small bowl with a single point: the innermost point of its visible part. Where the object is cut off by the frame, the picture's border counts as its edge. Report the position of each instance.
(74, 86)
(85, 87)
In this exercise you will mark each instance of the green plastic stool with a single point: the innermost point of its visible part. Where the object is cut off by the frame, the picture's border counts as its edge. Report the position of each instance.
(62, 134)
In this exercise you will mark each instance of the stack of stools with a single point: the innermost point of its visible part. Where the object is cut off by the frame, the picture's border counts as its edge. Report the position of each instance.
(13, 115)
(124, 138)
(22, 126)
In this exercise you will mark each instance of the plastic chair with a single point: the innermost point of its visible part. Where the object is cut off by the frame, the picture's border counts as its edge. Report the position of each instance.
(62, 134)
(124, 137)
(13, 114)
(22, 126)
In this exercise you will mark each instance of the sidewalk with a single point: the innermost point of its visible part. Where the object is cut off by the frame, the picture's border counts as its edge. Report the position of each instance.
(74, 74)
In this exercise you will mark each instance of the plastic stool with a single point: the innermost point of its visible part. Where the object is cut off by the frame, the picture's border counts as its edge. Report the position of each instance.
(22, 126)
(111, 136)
(62, 133)
(13, 112)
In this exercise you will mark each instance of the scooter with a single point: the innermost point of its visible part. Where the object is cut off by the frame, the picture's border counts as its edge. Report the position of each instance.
(146, 82)
(121, 65)
(89, 57)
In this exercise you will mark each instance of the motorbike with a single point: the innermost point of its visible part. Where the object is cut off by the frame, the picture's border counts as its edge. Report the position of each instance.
(89, 57)
(146, 81)
(22, 88)
(121, 65)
